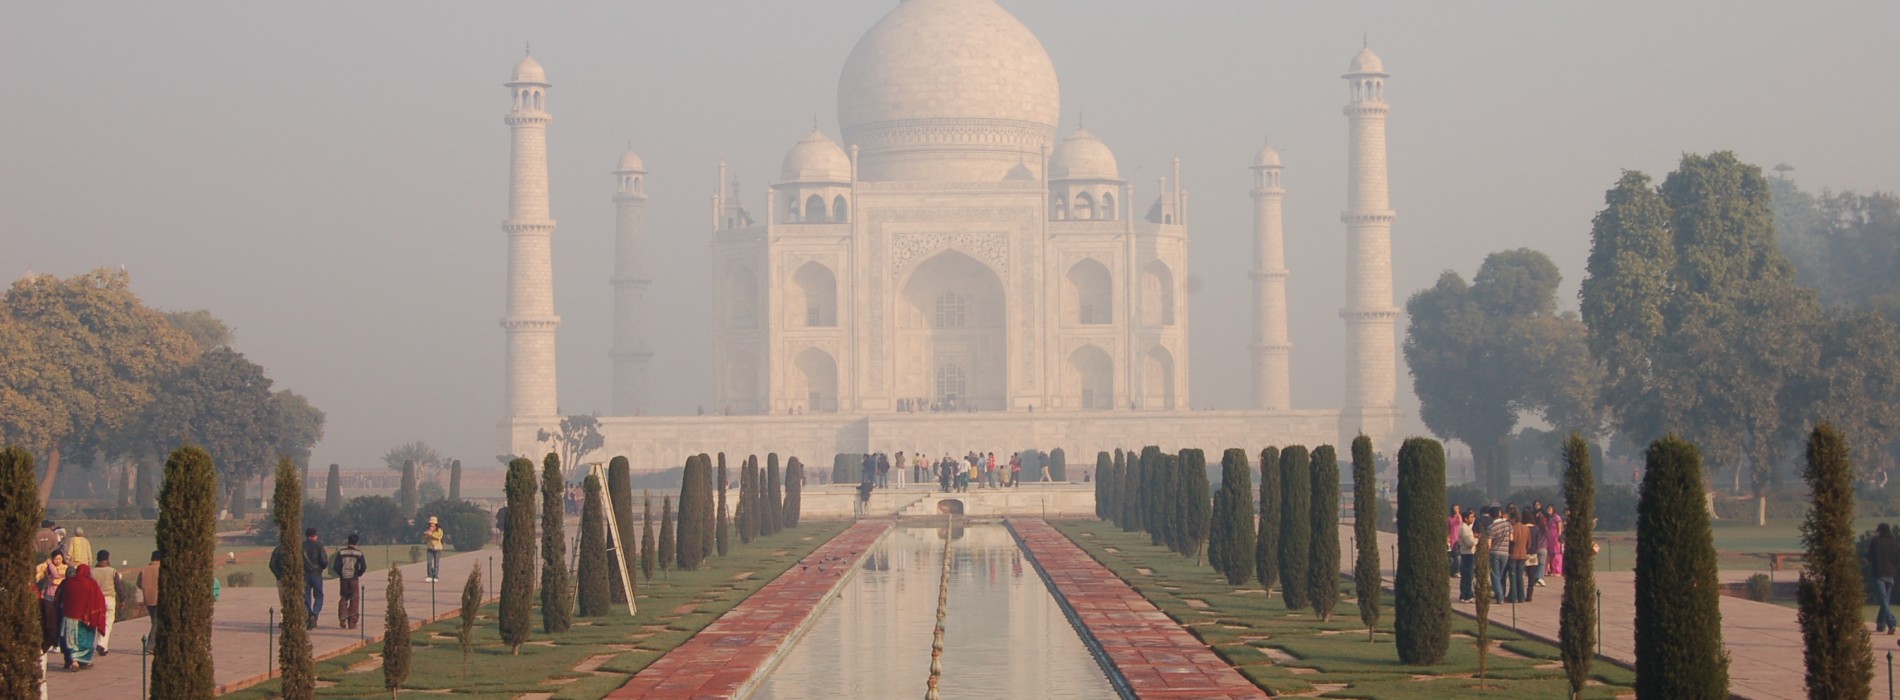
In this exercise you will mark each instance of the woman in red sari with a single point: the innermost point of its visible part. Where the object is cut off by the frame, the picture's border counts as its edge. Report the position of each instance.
(82, 610)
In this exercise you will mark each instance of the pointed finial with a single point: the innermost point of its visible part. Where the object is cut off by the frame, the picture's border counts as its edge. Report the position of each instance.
(1365, 40)
(629, 143)
(527, 48)
(814, 121)
(1079, 115)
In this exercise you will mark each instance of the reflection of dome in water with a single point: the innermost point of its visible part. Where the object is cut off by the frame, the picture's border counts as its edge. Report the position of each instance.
(947, 90)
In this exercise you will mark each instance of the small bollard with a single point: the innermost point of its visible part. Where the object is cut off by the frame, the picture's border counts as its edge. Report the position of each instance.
(1889, 675)
(145, 651)
(270, 644)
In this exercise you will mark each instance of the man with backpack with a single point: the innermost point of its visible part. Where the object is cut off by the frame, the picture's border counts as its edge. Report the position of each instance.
(349, 565)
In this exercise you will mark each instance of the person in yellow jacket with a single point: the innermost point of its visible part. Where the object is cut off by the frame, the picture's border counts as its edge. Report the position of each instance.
(432, 540)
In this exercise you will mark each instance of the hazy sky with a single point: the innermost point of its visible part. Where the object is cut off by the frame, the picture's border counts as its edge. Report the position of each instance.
(330, 179)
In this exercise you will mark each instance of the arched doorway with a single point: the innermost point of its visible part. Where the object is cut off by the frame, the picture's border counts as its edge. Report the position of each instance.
(817, 381)
(1091, 299)
(951, 334)
(1158, 379)
(741, 382)
(741, 298)
(815, 296)
(1157, 295)
(1090, 380)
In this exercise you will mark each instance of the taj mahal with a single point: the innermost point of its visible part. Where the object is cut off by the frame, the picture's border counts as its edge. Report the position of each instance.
(951, 272)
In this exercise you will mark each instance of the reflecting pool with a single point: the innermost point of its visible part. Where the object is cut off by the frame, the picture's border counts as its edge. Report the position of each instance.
(1004, 635)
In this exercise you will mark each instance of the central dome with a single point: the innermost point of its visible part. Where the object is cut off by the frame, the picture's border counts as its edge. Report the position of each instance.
(948, 90)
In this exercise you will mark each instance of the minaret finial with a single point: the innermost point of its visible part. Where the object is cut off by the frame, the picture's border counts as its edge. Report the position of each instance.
(1365, 40)
(527, 48)
(1079, 119)
(814, 121)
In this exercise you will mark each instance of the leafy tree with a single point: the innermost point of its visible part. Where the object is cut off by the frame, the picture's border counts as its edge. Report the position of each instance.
(293, 652)
(1678, 615)
(1296, 525)
(395, 635)
(223, 403)
(1481, 354)
(649, 555)
(668, 541)
(577, 437)
(724, 529)
(1422, 595)
(769, 517)
(187, 535)
(1266, 553)
(415, 453)
(595, 598)
(299, 426)
(205, 330)
(333, 490)
(1366, 582)
(80, 358)
(557, 602)
(407, 496)
(1192, 494)
(1230, 546)
(624, 557)
(1839, 657)
(1322, 573)
(471, 607)
(1577, 614)
(517, 554)
(794, 493)
(20, 515)
(455, 480)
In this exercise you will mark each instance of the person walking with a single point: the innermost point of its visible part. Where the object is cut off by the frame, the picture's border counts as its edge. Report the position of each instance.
(1883, 554)
(1465, 549)
(1499, 533)
(45, 540)
(82, 613)
(48, 577)
(1457, 520)
(78, 547)
(1015, 469)
(1520, 552)
(148, 584)
(883, 471)
(1554, 540)
(432, 540)
(310, 563)
(348, 564)
(108, 579)
(1534, 555)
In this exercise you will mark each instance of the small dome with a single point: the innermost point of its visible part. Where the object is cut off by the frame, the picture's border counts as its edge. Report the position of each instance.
(1267, 157)
(1020, 173)
(529, 71)
(816, 158)
(630, 162)
(1366, 62)
(1081, 156)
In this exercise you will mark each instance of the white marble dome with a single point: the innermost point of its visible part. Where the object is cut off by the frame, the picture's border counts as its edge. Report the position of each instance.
(529, 71)
(947, 90)
(630, 162)
(816, 158)
(1082, 156)
(1267, 158)
(1366, 62)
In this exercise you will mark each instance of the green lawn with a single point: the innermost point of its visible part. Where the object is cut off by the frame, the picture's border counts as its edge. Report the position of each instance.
(1333, 658)
(1735, 542)
(547, 664)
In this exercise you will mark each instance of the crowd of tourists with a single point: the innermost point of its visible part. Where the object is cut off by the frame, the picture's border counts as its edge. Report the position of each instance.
(78, 591)
(1524, 545)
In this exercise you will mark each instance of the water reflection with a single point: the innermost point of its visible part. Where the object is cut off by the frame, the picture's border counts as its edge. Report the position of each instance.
(1004, 637)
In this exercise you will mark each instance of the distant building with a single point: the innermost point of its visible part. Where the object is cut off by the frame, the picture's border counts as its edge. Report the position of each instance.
(954, 277)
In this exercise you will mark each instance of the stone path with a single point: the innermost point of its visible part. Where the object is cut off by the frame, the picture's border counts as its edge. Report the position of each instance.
(1763, 640)
(732, 655)
(242, 648)
(1155, 657)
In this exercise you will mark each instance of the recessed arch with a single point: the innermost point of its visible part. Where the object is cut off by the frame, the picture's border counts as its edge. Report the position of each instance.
(1158, 379)
(1084, 206)
(815, 209)
(742, 298)
(952, 315)
(1091, 378)
(1090, 293)
(741, 381)
(814, 296)
(1157, 295)
(840, 213)
(817, 381)
(1108, 210)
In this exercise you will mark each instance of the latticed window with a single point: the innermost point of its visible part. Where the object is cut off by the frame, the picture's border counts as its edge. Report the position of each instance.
(952, 312)
(951, 383)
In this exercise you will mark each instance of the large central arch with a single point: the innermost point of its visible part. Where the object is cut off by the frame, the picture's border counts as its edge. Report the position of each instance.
(951, 324)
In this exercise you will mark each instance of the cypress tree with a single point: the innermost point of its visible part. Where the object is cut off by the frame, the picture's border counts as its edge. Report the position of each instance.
(1195, 498)
(749, 500)
(406, 496)
(1236, 520)
(395, 635)
(626, 542)
(649, 553)
(293, 652)
(1103, 469)
(187, 535)
(20, 515)
(1130, 501)
(1422, 599)
(1678, 616)
(1836, 649)
(1266, 542)
(595, 599)
(333, 491)
(471, 608)
(1161, 519)
(1322, 573)
(455, 481)
(1577, 614)
(557, 598)
(724, 533)
(1296, 525)
(1481, 575)
(1059, 466)
(668, 541)
(794, 492)
(517, 554)
(1366, 582)
(686, 548)
(769, 525)
(708, 512)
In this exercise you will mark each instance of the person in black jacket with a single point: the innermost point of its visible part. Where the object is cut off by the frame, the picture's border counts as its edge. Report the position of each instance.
(314, 562)
(349, 564)
(1884, 554)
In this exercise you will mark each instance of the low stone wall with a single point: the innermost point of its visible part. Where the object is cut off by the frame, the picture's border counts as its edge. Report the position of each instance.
(1026, 500)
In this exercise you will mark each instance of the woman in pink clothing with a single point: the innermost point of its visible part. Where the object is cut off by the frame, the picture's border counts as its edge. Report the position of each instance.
(1554, 542)
(1452, 524)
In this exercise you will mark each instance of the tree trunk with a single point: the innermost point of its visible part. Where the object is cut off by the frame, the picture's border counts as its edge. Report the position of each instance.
(52, 473)
(1761, 510)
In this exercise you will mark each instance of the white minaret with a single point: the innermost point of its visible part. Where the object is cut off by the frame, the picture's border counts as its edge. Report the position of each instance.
(1271, 344)
(530, 321)
(1371, 319)
(630, 353)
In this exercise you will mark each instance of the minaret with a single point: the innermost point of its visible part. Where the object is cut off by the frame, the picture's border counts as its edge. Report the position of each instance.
(1371, 338)
(530, 319)
(1271, 344)
(630, 353)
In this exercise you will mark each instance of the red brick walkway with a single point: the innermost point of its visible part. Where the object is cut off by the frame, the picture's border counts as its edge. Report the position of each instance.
(1156, 656)
(733, 652)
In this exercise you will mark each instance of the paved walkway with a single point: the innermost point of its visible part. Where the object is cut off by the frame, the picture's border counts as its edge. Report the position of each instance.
(1763, 640)
(243, 651)
(732, 655)
(1156, 657)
